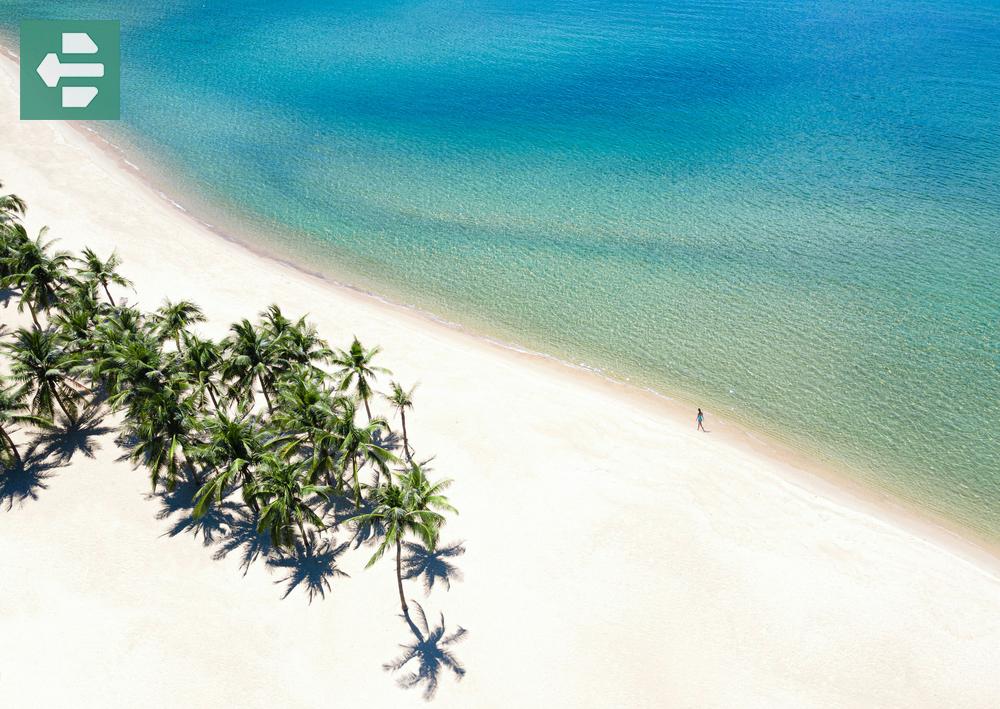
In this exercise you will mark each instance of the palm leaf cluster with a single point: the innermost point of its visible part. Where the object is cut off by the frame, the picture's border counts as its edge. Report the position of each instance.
(269, 415)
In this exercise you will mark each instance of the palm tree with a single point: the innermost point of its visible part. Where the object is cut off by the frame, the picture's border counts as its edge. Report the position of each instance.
(426, 496)
(14, 410)
(358, 443)
(104, 272)
(401, 400)
(233, 446)
(302, 345)
(401, 512)
(12, 207)
(251, 354)
(202, 361)
(356, 368)
(285, 494)
(39, 275)
(174, 318)
(309, 414)
(41, 364)
(160, 418)
(133, 366)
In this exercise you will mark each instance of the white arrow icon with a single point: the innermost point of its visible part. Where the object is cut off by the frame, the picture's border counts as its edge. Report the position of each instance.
(52, 70)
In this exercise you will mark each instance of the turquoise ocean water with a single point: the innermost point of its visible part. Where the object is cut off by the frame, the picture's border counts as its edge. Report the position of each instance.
(788, 212)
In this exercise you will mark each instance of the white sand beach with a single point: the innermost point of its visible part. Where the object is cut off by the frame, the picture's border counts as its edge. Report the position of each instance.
(614, 555)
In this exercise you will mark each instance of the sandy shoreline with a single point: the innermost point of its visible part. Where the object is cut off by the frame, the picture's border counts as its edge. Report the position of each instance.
(688, 575)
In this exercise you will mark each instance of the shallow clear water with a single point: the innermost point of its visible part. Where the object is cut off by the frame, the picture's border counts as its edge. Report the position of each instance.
(787, 212)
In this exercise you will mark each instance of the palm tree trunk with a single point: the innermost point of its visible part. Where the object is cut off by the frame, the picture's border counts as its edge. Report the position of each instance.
(252, 501)
(305, 539)
(18, 463)
(34, 316)
(399, 575)
(406, 441)
(195, 478)
(367, 409)
(211, 393)
(357, 487)
(55, 394)
(267, 399)
(108, 293)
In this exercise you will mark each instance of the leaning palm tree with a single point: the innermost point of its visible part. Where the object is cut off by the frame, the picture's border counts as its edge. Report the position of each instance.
(233, 446)
(359, 444)
(103, 272)
(14, 410)
(285, 501)
(356, 369)
(174, 318)
(401, 400)
(42, 365)
(251, 354)
(399, 516)
(41, 276)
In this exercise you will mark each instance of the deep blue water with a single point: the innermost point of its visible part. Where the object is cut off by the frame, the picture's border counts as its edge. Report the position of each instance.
(787, 212)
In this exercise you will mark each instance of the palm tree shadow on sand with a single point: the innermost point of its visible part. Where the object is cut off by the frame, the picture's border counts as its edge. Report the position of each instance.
(214, 526)
(75, 437)
(432, 566)
(431, 652)
(245, 538)
(23, 482)
(310, 569)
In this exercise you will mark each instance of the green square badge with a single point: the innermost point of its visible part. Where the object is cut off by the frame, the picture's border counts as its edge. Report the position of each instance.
(70, 70)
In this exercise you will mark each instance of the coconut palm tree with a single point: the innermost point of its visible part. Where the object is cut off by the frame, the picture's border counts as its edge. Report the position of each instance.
(309, 414)
(399, 511)
(251, 354)
(14, 410)
(356, 368)
(401, 400)
(40, 363)
(359, 444)
(426, 497)
(285, 501)
(103, 272)
(233, 446)
(12, 207)
(174, 318)
(202, 361)
(160, 417)
(132, 367)
(301, 345)
(40, 275)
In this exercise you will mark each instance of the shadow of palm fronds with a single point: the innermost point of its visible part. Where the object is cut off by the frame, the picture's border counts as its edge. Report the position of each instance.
(75, 437)
(432, 566)
(243, 536)
(313, 570)
(25, 481)
(431, 653)
(213, 526)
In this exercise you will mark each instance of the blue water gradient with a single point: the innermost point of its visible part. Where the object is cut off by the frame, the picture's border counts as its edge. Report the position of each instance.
(788, 212)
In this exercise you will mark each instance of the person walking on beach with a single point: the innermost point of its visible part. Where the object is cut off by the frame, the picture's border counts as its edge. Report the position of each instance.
(701, 421)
